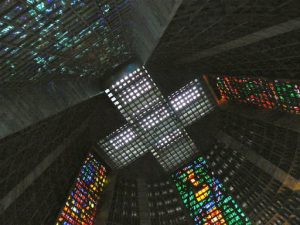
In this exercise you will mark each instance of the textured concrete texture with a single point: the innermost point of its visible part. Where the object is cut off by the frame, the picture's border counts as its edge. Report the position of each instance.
(284, 120)
(47, 128)
(39, 164)
(231, 37)
(262, 163)
(261, 35)
(143, 202)
(20, 108)
(106, 200)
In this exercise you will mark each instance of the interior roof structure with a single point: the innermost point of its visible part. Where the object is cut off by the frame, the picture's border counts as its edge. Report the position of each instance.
(69, 52)
(250, 38)
(44, 40)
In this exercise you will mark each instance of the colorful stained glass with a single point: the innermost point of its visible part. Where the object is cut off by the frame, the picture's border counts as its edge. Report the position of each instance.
(205, 196)
(80, 207)
(45, 38)
(268, 94)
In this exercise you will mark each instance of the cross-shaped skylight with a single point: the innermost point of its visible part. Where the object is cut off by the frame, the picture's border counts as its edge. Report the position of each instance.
(155, 124)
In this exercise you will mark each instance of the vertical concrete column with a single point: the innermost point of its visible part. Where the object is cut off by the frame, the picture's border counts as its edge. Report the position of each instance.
(143, 203)
(189, 219)
(103, 212)
(262, 163)
(150, 20)
(284, 120)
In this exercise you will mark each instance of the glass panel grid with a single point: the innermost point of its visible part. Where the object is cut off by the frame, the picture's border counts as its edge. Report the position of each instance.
(124, 145)
(158, 118)
(41, 38)
(176, 152)
(80, 207)
(205, 196)
(191, 102)
(134, 94)
(170, 143)
(158, 123)
(169, 139)
(263, 93)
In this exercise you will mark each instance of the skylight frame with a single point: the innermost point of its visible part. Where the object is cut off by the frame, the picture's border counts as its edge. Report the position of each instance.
(125, 153)
(191, 110)
(161, 119)
(133, 110)
(178, 152)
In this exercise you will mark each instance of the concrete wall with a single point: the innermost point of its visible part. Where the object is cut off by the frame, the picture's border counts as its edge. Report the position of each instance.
(22, 108)
(39, 164)
(149, 20)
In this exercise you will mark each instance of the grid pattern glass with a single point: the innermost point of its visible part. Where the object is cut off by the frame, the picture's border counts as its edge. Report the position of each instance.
(178, 149)
(167, 137)
(134, 93)
(263, 93)
(191, 102)
(40, 39)
(205, 196)
(158, 125)
(124, 145)
(157, 121)
(80, 207)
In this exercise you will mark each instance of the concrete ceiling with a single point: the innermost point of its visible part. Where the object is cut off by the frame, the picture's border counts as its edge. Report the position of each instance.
(253, 38)
(257, 38)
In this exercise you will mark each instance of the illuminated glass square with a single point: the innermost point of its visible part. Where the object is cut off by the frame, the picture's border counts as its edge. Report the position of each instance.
(191, 102)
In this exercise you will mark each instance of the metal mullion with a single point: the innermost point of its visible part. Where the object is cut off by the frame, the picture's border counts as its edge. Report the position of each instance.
(24, 11)
(120, 19)
(53, 32)
(23, 62)
(9, 34)
(102, 13)
(31, 50)
(82, 41)
(4, 13)
(53, 20)
(84, 21)
(84, 44)
(27, 39)
(131, 83)
(43, 19)
(7, 53)
(86, 11)
(24, 67)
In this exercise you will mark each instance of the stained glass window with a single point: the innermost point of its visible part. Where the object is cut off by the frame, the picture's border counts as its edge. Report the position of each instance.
(263, 93)
(80, 207)
(42, 38)
(205, 196)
